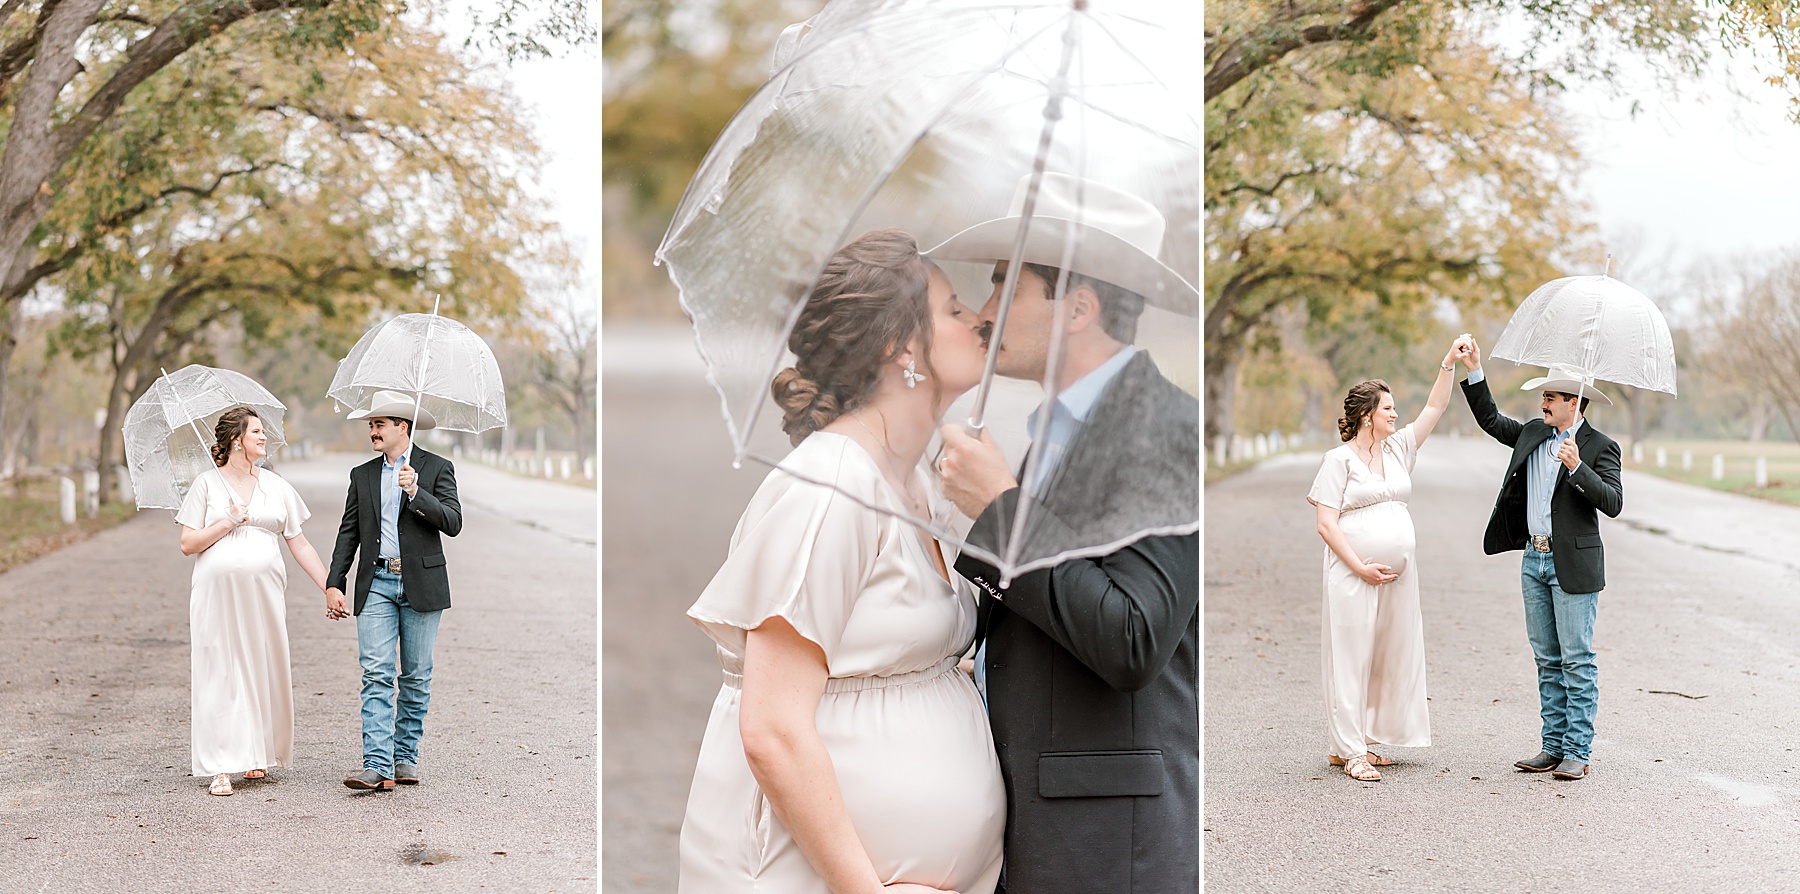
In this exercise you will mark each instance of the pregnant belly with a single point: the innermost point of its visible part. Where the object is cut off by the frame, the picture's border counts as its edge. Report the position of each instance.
(919, 779)
(242, 558)
(1382, 533)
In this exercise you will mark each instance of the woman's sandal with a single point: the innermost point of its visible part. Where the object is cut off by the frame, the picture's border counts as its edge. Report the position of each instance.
(259, 774)
(221, 785)
(1375, 760)
(1358, 768)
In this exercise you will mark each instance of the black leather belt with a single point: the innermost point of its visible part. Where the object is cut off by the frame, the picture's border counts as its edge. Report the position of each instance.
(1539, 542)
(391, 566)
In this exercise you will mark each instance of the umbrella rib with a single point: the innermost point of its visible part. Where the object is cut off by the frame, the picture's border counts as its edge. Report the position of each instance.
(868, 196)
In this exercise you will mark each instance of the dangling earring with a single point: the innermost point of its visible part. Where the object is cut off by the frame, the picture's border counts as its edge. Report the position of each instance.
(912, 374)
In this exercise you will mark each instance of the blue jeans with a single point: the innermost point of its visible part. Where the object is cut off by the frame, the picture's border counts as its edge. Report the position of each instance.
(1561, 629)
(388, 622)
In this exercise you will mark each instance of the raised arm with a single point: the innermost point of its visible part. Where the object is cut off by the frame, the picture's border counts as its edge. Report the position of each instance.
(1440, 392)
(1121, 615)
(1481, 402)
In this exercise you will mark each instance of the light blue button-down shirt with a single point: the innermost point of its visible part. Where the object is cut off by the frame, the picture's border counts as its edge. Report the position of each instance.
(1068, 413)
(390, 504)
(1541, 469)
(1070, 410)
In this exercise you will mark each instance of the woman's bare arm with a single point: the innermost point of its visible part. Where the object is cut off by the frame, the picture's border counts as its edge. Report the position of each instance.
(784, 677)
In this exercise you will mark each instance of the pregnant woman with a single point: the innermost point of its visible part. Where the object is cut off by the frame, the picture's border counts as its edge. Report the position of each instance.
(1373, 639)
(236, 522)
(846, 753)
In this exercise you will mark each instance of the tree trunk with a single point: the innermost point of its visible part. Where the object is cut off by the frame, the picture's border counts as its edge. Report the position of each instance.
(1761, 415)
(111, 441)
(8, 342)
(1221, 377)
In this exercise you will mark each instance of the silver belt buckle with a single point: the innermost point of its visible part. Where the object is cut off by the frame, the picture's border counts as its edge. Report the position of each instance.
(1540, 542)
(393, 565)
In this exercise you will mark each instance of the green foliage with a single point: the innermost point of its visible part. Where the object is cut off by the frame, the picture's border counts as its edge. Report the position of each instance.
(1359, 201)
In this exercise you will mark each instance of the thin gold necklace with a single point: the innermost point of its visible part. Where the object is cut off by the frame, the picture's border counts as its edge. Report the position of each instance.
(913, 503)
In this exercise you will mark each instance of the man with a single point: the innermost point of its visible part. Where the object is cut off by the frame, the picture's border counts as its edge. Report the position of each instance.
(1091, 665)
(1562, 472)
(398, 506)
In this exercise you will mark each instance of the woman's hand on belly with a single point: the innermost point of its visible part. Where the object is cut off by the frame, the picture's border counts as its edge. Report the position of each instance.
(1375, 573)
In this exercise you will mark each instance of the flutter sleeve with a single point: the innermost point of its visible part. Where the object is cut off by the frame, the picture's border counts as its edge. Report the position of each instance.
(801, 552)
(192, 513)
(293, 509)
(1405, 446)
(1331, 482)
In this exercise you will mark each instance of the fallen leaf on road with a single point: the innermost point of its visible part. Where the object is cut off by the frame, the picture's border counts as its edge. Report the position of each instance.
(499, 853)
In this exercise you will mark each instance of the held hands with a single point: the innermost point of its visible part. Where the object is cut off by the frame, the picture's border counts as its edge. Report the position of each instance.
(1466, 351)
(1568, 454)
(1375, 573)
(335, 607)
(408, 480)
(974, 472)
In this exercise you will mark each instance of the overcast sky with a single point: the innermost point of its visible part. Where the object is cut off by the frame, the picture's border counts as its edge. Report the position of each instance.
(1702, 174)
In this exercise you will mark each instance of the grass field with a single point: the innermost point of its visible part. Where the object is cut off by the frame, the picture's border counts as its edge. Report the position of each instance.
(1783, 459)
(31, 525)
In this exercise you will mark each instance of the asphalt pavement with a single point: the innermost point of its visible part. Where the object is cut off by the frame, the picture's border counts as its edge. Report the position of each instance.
(94, 698)
(1695, 783)
(671, 498)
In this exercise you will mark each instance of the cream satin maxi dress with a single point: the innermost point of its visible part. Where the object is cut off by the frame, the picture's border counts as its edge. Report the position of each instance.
(243, 700)
(906, 730)
(1373, 656)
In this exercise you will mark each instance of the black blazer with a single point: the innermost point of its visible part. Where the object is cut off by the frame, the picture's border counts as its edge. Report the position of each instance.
(1093, 676)
(423, 516)
(1575, 545)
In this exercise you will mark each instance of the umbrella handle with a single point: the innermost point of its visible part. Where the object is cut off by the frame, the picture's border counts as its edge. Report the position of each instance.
(1052, 114)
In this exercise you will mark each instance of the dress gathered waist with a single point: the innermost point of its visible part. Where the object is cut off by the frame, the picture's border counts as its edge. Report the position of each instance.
(855, 684)
(1372, 506)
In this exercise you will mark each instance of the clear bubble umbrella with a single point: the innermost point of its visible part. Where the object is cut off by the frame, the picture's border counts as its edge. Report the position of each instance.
(1596, 327)
(447, 368)
(168, 431)
(988, 129)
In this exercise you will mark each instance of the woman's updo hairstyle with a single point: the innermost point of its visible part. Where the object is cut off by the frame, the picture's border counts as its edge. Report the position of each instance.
(1362, 400)
(868, 304)
(231, 426)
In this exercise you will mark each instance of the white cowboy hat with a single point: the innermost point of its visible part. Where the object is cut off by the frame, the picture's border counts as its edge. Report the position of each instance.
(1118, 236)
(1568, 382)
(398, 406)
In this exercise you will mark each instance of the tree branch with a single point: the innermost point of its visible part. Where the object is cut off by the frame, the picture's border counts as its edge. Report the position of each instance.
(190, 24)
(1270, 41)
